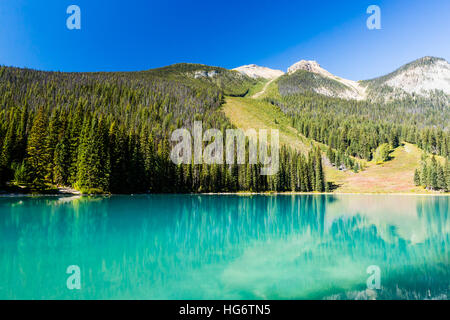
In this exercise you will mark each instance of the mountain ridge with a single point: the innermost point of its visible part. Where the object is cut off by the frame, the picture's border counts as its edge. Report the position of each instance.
(255, 71)
(427, 77)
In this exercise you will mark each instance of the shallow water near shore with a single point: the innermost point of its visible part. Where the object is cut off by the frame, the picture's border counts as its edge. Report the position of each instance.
(225, 246)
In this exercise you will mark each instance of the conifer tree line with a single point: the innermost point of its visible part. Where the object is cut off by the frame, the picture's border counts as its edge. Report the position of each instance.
(358, 128)
(433, 175)
(297, 173)
(109, 132)
(343, 161)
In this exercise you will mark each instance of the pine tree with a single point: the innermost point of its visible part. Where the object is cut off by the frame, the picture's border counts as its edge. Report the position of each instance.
(83, 161)
(441, 183)
(447, 174)
(320, 179)
(330, 155)
(61, 162)
(75, 129)
(38, 159)
(424, 175)
(417, 177)
(432, 174)
(21, 135)
(21, 173)
(311, 172)
(293, 177)
(394, 139)
(52, 138)
(7, 151)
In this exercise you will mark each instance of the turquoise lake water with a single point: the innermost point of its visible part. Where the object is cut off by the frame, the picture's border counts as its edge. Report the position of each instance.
(225, 246)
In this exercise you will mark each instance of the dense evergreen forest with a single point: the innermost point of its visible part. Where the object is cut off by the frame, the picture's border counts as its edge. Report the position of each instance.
(433, 175)
(109, 132)
(368, 129)
(357, 128)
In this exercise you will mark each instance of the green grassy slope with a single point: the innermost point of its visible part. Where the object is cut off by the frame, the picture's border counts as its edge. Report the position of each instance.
(393, 176)
(246, 113)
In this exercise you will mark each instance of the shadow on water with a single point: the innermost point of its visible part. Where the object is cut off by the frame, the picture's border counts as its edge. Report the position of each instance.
(224, 247)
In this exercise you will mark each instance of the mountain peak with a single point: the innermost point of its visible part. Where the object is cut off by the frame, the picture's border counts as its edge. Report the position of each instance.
(422, 77)
(425, 62)
(310, 66)
(254, 71)
(430, 59)
(333, 86)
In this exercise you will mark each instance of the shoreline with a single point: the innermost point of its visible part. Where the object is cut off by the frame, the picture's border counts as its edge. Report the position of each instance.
(68, 194)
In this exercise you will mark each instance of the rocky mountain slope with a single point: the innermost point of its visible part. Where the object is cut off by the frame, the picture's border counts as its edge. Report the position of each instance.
(323, 82)
(425, 77)
(254, 71)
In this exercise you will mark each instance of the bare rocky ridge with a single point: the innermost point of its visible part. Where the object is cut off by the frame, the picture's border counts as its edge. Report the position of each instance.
(354, 89)
(203, 73)
(421, 77)
(254, 71)
(309, 65)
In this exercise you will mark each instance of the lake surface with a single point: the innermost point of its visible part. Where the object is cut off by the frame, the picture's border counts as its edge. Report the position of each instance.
(225, 246)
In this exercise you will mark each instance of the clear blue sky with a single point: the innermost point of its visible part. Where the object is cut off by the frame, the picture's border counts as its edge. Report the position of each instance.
(138, 35)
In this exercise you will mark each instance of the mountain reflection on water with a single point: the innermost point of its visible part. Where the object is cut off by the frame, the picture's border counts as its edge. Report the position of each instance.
(225, 246)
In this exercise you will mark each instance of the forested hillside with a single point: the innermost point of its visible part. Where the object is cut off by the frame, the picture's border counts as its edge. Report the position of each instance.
(359, 127)
(303, 81)
(366, 129)
(109, 132)
(231, 83)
